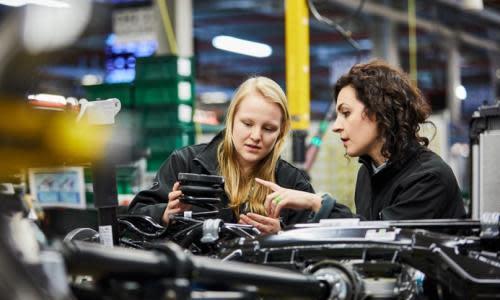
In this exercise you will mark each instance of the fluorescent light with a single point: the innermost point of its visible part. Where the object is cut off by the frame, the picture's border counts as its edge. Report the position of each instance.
(48, 3)
(56, 99)
(232, 44)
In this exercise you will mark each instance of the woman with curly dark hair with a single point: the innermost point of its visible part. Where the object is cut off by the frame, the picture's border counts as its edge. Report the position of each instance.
(379, 113)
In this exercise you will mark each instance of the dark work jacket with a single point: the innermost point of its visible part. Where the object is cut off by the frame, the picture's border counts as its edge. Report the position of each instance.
(420, 186)
(202, 159)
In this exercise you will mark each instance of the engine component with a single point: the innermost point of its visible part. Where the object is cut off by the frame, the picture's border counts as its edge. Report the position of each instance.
(389, 260)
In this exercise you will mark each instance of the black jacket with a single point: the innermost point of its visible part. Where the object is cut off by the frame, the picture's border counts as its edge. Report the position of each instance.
(421, 186)
(202, 159)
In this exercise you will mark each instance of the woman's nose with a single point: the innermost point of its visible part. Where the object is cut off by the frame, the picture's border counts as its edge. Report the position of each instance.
(255, 134)
(336, 126)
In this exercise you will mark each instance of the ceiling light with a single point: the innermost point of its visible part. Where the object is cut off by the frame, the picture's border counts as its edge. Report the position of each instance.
(56, 99)
(47, 101)
(232, 44)
(48, 3)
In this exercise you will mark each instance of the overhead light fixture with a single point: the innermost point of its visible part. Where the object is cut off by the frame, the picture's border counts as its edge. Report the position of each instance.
(47, 101)
(245, 47)
(47, 3)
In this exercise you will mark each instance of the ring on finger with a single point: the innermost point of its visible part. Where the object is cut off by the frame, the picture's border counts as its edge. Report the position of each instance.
(277, 199)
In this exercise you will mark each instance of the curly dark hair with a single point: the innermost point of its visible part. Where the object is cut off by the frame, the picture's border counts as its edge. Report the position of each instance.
(399, 107)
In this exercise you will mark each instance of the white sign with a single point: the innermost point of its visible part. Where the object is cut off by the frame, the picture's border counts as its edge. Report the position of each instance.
(133, 25)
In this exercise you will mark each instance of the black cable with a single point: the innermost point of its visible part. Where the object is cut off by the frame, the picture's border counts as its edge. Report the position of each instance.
(354, 14)
(136, 230)
(313, 147)
(186, 230)
(345, 34)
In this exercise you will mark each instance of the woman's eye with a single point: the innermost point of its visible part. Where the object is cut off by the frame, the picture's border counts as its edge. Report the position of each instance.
(346, 113)
(246, 123)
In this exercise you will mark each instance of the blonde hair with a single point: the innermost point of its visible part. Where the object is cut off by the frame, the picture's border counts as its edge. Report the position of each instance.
(238, 187)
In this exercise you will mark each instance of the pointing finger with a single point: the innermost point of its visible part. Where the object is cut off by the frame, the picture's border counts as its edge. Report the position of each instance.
(273, 186)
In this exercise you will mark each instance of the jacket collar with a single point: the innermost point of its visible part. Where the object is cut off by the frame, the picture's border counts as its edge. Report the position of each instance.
(208, 155)
(392, 166)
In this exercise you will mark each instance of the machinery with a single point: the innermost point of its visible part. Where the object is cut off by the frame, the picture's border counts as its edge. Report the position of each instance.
(200, 230)
(335, 259)
(484, 141)
(433, 259)
(424, 259)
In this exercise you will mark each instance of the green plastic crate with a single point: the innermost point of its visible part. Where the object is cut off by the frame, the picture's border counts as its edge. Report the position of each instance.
(168, 141)
(164, 68)
(121, 91)
(167, 117)
(161, 93)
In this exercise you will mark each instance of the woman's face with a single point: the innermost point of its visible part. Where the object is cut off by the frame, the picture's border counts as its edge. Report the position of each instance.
(256, 127)
(358, 132)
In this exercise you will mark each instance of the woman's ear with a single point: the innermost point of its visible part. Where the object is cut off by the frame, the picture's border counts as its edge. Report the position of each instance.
(369, 115)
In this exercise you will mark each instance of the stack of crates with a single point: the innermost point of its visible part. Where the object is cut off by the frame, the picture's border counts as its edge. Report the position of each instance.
(159, 104)
(121, 91)
(164, 94)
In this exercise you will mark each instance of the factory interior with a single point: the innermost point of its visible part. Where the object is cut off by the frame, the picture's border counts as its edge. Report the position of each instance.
(249, 149)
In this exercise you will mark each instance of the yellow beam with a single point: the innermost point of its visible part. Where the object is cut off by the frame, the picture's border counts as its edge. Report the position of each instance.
(297, 62)
(412, 40)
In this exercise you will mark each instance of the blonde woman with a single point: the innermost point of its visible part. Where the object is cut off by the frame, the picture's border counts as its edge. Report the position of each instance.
(249, 147)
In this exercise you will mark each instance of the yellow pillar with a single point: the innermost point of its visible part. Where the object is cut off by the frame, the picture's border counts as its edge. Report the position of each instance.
(297, 74)
(297, 62)
(412, 40)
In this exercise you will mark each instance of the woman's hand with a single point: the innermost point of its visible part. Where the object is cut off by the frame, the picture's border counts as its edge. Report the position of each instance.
(174, 205)
(266, 225)
(287, 198)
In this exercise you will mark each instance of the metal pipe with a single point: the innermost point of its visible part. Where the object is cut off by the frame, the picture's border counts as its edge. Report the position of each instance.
(269, 280)
(401, 17)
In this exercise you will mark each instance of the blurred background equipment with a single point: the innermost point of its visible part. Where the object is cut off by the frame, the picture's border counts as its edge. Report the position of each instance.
(485, 143)
(37, 134)
(34, 137)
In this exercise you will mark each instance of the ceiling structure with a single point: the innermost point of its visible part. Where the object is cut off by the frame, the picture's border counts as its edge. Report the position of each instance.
(438, 23)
